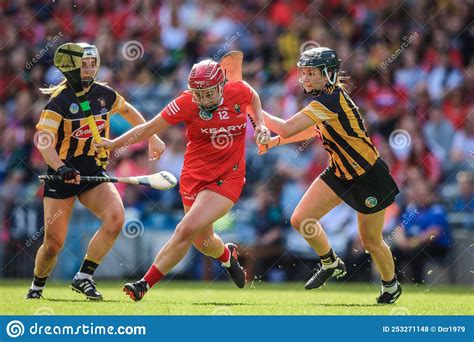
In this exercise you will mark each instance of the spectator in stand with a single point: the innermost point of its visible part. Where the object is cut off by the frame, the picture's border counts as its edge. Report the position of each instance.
(422, 104)
(267, 218)
(464, 202)
(389, 102)
(443, 77)
(423, 233)
(462, 150)
(410, 76)
(420, 157)
(438, 133)
(455, 107)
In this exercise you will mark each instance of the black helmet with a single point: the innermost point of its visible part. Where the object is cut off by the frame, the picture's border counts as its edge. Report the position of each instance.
(323, 58)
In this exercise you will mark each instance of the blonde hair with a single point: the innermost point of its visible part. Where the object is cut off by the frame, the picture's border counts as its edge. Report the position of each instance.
(343, 82)
(53, 91)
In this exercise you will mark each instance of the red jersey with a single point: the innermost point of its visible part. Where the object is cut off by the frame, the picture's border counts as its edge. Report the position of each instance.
(216, 140)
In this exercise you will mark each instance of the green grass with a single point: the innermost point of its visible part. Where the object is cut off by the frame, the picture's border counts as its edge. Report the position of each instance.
(222, 298)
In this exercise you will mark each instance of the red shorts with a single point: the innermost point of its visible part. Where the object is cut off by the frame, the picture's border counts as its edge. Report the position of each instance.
(229, 185)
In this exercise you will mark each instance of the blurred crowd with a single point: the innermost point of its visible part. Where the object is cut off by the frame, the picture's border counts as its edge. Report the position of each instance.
(411, 65)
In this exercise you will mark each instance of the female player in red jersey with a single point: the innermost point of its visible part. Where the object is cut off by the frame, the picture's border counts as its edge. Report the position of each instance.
(214, 112)
(356, 174)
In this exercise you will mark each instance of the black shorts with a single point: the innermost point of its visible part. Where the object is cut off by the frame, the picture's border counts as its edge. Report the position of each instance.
(373, 191)
(86, 166)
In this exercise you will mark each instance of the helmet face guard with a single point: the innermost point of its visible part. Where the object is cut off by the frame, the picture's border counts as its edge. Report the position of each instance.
(208, 98)
(68, 59)
(330, 80)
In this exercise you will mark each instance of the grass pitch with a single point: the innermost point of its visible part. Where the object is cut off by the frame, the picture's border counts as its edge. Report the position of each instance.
(222, 298)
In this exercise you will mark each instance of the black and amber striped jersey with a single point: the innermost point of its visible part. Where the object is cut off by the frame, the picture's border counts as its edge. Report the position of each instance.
(63, 118)
(343, 134)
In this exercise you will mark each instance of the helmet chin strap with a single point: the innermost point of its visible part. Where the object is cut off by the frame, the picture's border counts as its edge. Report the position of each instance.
(87, 82)
(211, 108)
(332, 81)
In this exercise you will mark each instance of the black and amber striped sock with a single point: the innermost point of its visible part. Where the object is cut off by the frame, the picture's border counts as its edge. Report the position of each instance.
(329, 259)
(390, 286)
(38, 283)
(88, 266)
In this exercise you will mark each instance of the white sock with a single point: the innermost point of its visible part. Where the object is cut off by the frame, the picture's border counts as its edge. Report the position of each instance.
(82, 275)
(390, 288)
(334, 264)
(147, 285)
(36, 288)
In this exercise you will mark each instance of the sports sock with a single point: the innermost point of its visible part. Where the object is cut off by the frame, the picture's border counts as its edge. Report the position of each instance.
(390, 286)
(152, 276)
(87, 269)
(38, 283)
(81, 275)
(329, 260)
(225, 257)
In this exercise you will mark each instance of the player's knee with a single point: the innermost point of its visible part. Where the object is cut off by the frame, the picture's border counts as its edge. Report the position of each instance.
(114, 219)
(185, 232)
(370, 245)
(296, 220)
(52, 248)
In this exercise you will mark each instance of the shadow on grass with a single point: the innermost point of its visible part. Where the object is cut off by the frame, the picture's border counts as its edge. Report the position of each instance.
(82, 300)
(229, 304)
(299, 305)
(351, 305)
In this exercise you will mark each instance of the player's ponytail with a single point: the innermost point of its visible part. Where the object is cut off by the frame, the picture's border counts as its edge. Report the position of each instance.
(343, 81)
(54, 90)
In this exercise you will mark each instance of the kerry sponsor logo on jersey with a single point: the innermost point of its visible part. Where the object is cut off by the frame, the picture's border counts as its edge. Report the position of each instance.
(84, 132)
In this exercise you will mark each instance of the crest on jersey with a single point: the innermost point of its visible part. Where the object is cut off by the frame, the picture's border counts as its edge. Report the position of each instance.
(237, 107)
(74, 108)
(205, 115)
(101, 101)
(371, 202)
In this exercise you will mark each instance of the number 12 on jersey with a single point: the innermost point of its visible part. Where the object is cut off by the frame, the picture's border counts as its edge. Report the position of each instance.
(223, 114)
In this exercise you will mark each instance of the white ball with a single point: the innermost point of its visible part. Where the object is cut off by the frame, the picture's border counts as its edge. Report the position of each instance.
(263, 138)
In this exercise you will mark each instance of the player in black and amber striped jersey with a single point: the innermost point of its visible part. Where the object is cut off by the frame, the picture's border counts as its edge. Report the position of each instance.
(356, 174)
(65, 142)
(63, 118)
(343, 134)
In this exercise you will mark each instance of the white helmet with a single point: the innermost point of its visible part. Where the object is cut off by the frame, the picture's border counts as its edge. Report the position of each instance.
(90, 51)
